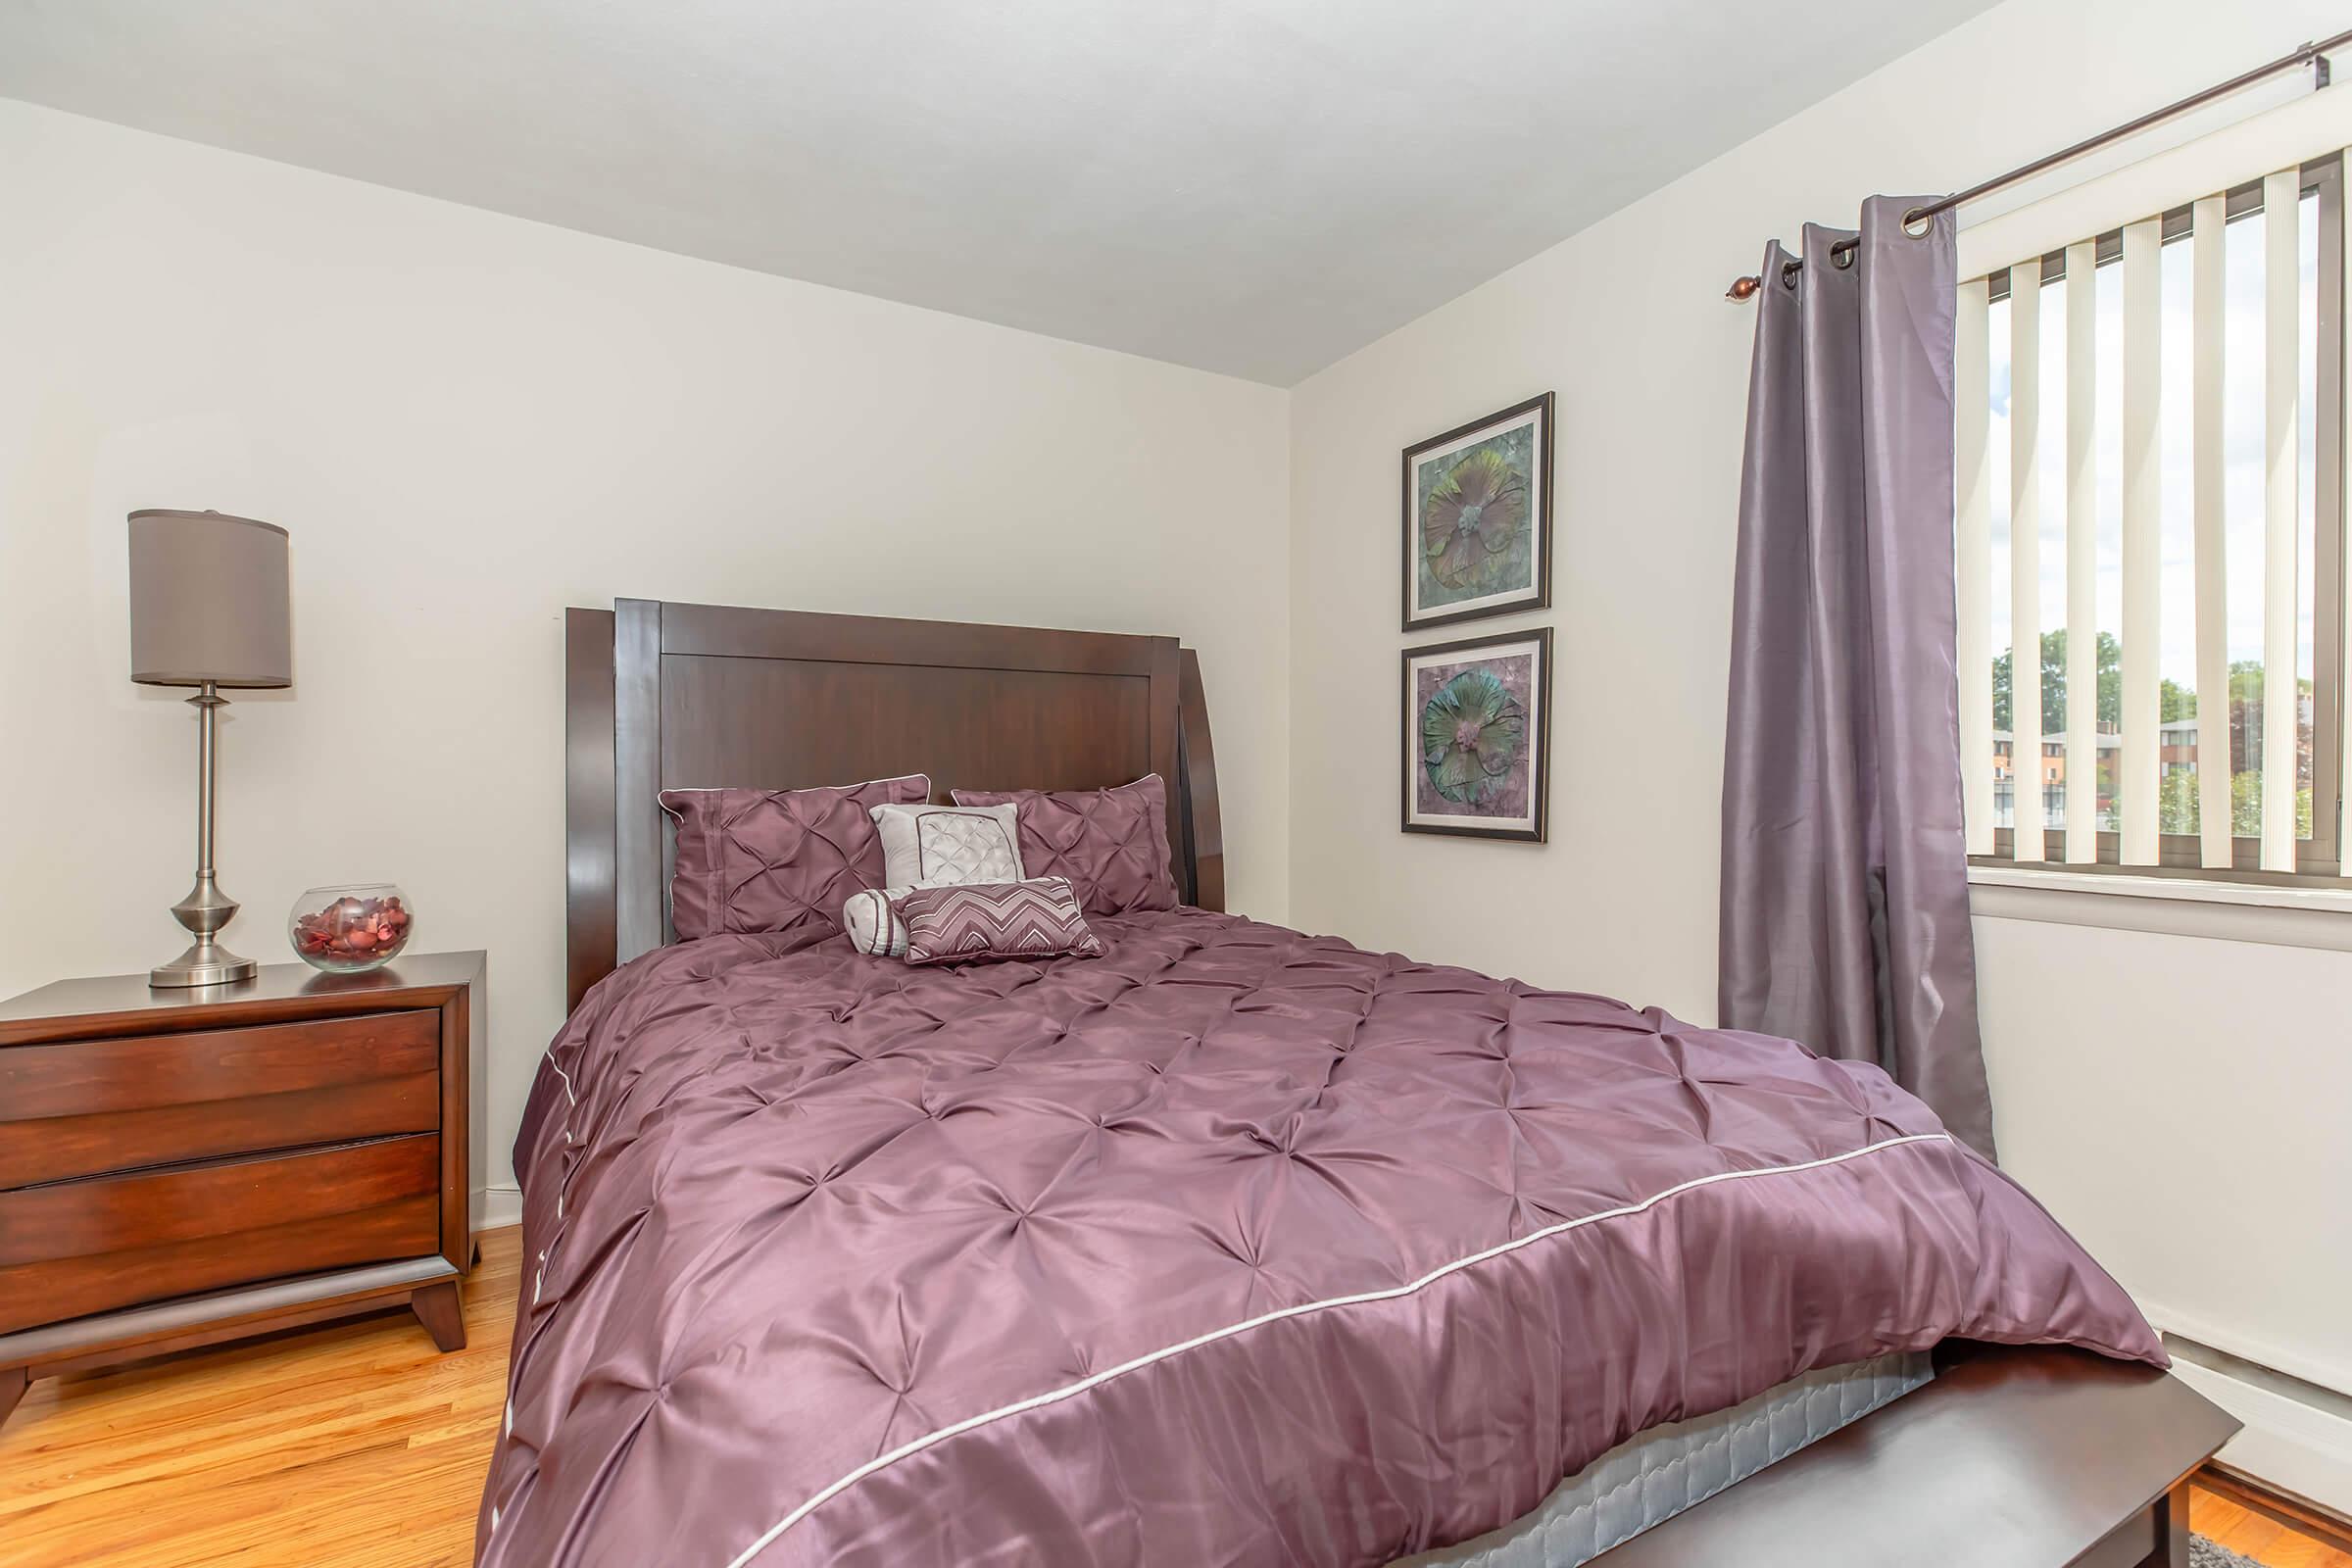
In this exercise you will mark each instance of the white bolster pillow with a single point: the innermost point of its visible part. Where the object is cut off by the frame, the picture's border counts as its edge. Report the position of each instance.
(875, 930)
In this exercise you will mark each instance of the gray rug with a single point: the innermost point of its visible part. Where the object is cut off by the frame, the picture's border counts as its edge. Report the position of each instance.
(2203, 1553)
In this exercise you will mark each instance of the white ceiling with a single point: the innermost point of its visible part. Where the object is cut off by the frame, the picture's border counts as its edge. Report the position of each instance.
(1255, 186)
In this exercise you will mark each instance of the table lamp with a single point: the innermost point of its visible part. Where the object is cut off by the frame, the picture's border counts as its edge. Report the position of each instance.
(209, 608)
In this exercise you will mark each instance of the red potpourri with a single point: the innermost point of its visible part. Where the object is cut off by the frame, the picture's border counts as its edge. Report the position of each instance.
(353, 930)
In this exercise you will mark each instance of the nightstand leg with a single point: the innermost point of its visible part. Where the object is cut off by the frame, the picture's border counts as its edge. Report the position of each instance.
(12, 1382)
(2171, 1529)
(436, 1307)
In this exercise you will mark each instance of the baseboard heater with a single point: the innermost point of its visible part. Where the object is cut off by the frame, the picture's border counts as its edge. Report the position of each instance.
(2297, 1440)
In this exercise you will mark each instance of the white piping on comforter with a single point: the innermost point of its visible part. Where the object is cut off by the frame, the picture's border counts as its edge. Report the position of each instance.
(1071, 1390)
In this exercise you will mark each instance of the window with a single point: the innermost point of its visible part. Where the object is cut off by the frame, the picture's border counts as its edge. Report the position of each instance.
(2151, 506)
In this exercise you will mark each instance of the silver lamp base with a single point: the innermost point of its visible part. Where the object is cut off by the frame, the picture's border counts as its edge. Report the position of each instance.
(206, 909)
(205, 964)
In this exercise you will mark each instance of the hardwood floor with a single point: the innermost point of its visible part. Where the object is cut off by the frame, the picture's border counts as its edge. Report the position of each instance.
(2261, 1533)
(357, 1446)
(360, 1446)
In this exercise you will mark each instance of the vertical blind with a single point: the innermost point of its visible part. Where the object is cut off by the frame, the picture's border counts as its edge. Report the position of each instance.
(2136, 739)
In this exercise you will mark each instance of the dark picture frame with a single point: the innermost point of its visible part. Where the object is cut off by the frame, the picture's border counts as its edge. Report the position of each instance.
(1537, 516)
(1416, 812)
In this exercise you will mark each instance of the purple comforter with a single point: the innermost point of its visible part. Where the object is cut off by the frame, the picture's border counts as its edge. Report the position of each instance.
(1231, 1247)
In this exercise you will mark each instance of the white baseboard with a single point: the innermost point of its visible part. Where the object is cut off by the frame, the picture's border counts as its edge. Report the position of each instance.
(2287, 1443)
(496, 1207)
(2331, 1375)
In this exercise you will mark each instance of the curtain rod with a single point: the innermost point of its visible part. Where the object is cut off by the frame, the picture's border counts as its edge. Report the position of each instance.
(1743, 289)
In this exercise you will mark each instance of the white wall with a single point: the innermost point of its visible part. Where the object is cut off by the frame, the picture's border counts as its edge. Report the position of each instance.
(2185, 1099)
(469, 422)
(2181, 1103)
(2178, 1101)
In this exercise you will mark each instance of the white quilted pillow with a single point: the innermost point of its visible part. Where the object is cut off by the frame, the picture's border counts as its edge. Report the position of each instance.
(947, 846)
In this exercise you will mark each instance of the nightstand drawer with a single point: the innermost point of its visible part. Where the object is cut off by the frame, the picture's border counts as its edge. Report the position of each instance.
(99, 1105)
(80, 1247)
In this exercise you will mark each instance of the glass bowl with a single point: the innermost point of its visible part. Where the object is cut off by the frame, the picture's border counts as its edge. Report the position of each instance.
(350, 927)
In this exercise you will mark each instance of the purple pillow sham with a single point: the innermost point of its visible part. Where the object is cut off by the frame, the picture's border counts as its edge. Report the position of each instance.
(776, 859)
(1111, 844)
(968, 922)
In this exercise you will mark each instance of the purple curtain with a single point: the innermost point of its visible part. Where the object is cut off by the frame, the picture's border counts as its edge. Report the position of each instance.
(1844, 872)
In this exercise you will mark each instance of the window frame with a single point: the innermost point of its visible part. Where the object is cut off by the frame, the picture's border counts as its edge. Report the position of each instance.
(2319, 860)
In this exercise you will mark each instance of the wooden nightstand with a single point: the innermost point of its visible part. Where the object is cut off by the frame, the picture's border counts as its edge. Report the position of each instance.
(180, 1167)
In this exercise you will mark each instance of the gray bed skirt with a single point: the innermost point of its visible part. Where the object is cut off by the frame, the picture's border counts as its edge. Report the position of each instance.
(1651, 1477)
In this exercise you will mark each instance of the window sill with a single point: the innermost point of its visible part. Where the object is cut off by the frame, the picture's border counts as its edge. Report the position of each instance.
(2234, 911)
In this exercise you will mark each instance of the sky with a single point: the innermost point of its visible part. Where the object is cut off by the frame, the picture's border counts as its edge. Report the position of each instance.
(2242, 436)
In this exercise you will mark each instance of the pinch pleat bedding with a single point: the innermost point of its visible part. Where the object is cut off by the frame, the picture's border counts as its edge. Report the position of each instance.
(1229, 1245)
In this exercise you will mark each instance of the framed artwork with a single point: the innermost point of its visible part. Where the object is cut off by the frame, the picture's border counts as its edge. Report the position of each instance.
(1478, 518)
(1477, 736)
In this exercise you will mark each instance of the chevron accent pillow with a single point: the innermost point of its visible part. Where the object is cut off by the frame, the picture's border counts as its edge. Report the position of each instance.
(981, 921)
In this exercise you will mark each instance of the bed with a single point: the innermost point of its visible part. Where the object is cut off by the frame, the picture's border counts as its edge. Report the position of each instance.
(1233, 1244)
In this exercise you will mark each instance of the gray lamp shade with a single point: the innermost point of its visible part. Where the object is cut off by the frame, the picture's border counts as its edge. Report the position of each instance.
(209, 600)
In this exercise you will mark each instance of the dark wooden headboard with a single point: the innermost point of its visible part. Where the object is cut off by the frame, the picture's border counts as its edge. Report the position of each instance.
(660, 696)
